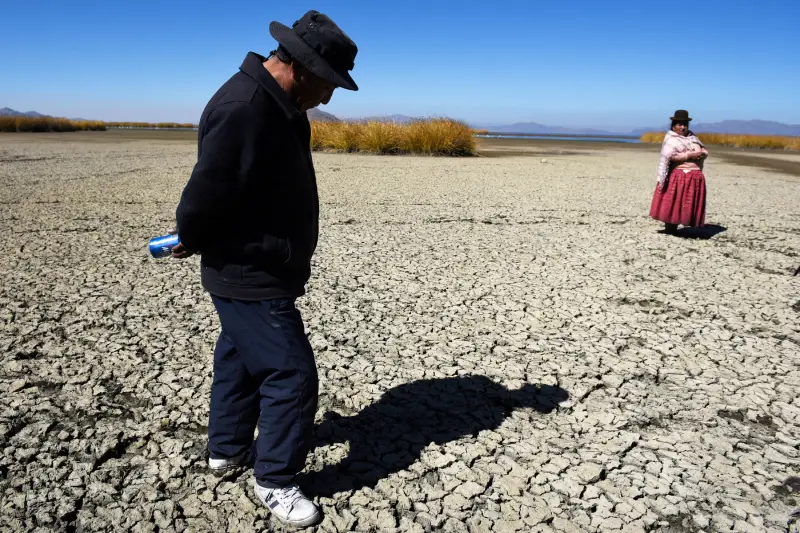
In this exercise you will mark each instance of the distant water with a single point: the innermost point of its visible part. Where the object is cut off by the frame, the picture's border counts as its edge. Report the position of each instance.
(619, 139)
(150, 128)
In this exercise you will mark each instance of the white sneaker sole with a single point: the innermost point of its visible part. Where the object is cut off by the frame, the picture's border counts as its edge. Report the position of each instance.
(310, 521)
(242, 463)
(223, 469)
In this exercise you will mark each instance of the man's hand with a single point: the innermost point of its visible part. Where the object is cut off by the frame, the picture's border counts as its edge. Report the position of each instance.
(179, 251)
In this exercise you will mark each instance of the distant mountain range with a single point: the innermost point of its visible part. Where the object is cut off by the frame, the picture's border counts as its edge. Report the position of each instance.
(535, 127)
(748, 127)
(400, 119)
(321, 116)
(745, 127)
(8, 112)
(314, 114)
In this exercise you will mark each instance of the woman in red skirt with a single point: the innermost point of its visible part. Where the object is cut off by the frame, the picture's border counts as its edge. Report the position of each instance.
(680, 195)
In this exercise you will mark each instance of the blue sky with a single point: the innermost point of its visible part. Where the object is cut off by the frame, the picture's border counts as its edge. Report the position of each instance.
(615, 65)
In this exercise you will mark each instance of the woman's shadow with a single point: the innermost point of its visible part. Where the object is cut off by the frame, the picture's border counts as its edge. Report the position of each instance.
(705, 232)
(389, 435)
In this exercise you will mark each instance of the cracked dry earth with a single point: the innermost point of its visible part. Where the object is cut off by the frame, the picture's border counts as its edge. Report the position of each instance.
(503, 345)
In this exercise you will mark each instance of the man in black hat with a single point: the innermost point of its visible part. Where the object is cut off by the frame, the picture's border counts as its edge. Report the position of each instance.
(250, 208)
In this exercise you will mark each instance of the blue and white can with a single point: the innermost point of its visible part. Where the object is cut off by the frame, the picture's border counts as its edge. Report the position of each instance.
(162, 246)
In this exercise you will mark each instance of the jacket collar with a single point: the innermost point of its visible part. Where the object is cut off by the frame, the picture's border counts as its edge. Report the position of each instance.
(253, 66)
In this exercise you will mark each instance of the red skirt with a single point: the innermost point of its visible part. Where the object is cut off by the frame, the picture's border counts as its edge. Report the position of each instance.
(683, 201)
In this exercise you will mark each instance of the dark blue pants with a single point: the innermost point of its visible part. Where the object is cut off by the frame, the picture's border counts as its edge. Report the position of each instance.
(264, 375)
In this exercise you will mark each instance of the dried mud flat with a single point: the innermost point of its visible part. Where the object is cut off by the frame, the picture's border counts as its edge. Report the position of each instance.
(504, 344)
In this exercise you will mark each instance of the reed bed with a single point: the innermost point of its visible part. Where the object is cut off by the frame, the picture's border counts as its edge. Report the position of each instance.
(48, 124)
(55, 124)
(431, 137)
(775, 142)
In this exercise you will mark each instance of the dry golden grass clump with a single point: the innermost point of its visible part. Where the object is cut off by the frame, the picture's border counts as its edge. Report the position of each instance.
(174, 125)
(775, 142)
(48, 124)
(433, 137)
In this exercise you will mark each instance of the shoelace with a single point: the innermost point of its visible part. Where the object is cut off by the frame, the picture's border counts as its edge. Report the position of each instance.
(289, 496)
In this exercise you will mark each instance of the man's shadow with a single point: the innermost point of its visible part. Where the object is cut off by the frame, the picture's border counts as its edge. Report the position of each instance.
(389, 435)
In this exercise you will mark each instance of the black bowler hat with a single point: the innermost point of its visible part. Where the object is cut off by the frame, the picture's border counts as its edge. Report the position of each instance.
(318, 44)
(681, 115)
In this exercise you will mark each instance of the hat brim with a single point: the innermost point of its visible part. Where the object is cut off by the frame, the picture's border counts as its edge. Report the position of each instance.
(309, 58)
(681, 119)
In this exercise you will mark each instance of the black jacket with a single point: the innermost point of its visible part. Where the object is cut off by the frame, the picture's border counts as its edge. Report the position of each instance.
(250, 207)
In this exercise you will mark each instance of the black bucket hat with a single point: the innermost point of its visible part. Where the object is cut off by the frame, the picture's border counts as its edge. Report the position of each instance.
(681, 115)
(318, 44)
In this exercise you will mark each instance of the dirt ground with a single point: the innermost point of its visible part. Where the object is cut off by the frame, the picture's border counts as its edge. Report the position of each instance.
(505, 344)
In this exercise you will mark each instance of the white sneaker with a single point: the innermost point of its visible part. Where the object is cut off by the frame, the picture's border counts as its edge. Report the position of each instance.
(289, 505)
(220, 466)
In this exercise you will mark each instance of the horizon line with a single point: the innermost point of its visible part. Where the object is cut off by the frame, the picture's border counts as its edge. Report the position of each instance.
(471, 123)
